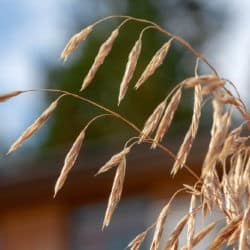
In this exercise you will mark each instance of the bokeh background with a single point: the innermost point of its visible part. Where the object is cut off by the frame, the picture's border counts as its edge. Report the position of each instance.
(33, 33)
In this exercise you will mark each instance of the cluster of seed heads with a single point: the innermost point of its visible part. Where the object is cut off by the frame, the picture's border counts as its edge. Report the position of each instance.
(228, 149)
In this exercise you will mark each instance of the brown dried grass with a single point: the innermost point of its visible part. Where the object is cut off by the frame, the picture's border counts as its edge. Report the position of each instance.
(228, 148)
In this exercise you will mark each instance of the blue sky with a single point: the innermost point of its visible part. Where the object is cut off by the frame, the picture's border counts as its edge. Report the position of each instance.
(35, 31)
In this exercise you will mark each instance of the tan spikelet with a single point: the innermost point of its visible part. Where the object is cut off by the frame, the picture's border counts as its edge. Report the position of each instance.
(7, 96)
(224, 234)
(155, 62)
(234, 237)
(212, 86)
(35, 126)
(75, 40)
(176, 232)
(219, 131)
(167, 117)
(191, 224)
(159, 227)
(130, 69)
(152, 122)
(201, 235)
(232, 143)
(190, 136)
(192, 190)
(100, 57)
(137, 241)
(193, 81)
(69, 161)
(116, 192)
(114, 161)
(244, 232)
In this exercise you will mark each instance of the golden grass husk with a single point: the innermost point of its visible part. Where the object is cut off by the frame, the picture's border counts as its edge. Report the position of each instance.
(69, 161)
(154, 64)
(202, 80)
(191, 134)
(34, 127)
(137, 241)
(5, 97)
(75, 40)
(100, 58)
(152, 122)
(201, 235)
(176, 232)
(224, 234)
(130, 69)
(159, 227)
(167, 117)
(116, 192)
(114, 161)
(244, 230)
(191, 223)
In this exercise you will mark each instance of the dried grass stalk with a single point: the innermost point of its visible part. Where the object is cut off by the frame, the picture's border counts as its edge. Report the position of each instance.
(35, 126)
(244, 230)
(137, 241)
(130, 69)
(224, 234)
(152, 122)
(116, 192)
(167, 117)
(193, 81)
(190, 136)
(100, 57)
(160, 226)
(176, 232)
(75, 40)
(234, 237)
(69, 161)
(155, 63)
(219, 131)
(7, 96)
(201, 235)
(212, 86)
(114, 161)
(191, 224)
(232, 143)
(175, 246)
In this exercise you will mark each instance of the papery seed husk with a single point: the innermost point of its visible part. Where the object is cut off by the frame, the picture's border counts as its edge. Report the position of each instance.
(191, 134)
(155, 62)
(7, 96)
(212, 86)
(159, 227)
(69, 161)
(152, 122)
(116, 192)
(176, 232)
(201, 235)
(99, 59)
(137, 241)
(130, 69)
(114, 161)
(224, 234)
(234, 237)
(191, 223)
(35, 126)
(193, 81)
(75, 40)
(244, 230)
(167, 117)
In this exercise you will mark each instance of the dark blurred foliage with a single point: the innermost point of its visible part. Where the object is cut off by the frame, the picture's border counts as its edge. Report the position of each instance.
(72, 115)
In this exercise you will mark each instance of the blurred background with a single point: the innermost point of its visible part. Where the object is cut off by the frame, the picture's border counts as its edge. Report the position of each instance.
(33, 33)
